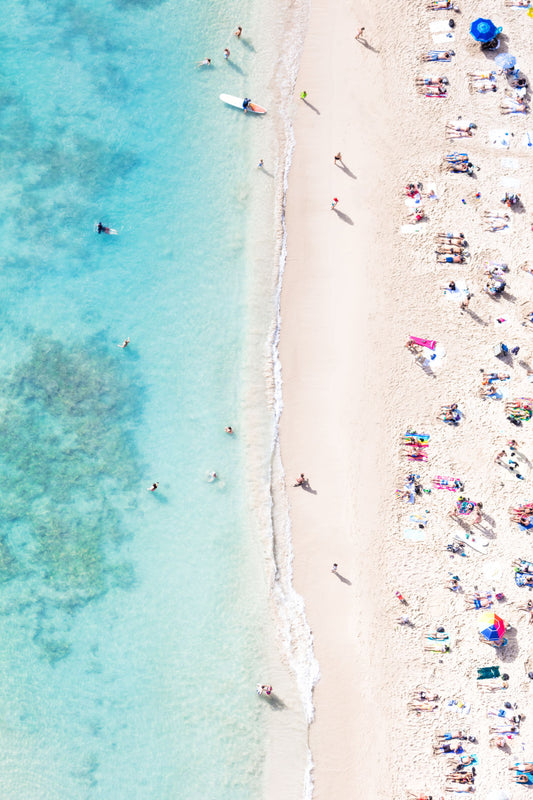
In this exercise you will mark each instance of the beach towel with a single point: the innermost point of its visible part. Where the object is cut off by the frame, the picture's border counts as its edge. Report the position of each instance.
(439, 26)
(451, 484)
(421, 437)
(520, 579)
(414, 534)
(414, 228)
(499, 138)
(509, 183)
(509, 163)
(443, 38)
(429, 343)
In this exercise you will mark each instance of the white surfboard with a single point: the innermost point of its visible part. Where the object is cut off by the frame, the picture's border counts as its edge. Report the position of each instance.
(238, 101)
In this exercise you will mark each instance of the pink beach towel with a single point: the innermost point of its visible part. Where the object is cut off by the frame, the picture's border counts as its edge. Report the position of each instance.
(429, 343)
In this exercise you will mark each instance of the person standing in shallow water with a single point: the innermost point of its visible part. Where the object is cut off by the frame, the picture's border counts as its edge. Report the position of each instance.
(153, 487)
(238, 32)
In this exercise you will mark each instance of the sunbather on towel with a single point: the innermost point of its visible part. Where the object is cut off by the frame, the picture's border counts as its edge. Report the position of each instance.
(479, 601)
(447, 748)
(438, 55)
(442, 5)
(448, 259)
(421, 81)
(447, 737)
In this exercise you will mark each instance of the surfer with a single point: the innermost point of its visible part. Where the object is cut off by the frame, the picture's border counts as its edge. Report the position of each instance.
(125, 343)
(245, 103)
(153, 487)
(205, 63)
(103, 229)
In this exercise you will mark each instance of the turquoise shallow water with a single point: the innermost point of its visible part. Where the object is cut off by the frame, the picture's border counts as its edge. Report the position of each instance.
(130, 622)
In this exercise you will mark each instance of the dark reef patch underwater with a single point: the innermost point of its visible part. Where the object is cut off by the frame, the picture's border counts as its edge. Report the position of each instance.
(67, 466)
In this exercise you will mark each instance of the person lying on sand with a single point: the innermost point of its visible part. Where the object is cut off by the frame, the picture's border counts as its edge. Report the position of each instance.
(433, 91)
(458, 241)
(462, 166)
(490, 377)
(442, 5)
(438, 749)
(453, 249)
(517, 3)
(522, 766)
(437, 55)
(421, 81)
(458, 788)
(437, 648)
(450, 259)
(511, 105)
(496, 222)
(462, 761)
(425, 694)
(458, 130)
(460, 777)
(447, 737)
(479, 601)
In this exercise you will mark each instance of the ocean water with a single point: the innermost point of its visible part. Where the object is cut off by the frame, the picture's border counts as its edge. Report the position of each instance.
(132, 624)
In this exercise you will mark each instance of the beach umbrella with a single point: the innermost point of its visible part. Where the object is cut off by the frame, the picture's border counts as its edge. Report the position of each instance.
(505, 60)
(484, 30)
(491, 626)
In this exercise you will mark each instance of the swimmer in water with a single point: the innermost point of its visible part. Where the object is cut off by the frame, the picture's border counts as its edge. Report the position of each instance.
(153, 487)
(212, 477)
(125, 343)
(103, 229)
(205, 63)
(228, 429)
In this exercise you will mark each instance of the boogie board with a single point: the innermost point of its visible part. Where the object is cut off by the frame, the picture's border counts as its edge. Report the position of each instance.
(238, 101)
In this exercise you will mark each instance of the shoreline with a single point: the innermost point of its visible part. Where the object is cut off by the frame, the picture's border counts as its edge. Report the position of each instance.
(327, 421)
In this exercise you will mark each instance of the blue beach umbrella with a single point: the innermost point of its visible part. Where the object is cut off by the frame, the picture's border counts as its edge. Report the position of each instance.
(484, 30)
(505, 60)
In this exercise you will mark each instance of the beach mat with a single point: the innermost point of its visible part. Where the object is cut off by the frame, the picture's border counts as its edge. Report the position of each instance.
(439, 26)
(443, 38)
(499, 137)
(414, 534)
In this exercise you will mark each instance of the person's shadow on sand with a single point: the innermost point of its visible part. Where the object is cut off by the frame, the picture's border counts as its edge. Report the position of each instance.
(343, 579)
(343, 216)
(347, 170)
(275, 702)
(315, 109)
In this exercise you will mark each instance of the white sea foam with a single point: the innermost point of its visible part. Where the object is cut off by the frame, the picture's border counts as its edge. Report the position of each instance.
(294, 628)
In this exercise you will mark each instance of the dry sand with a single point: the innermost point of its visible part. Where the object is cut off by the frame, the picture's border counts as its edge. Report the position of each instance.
(354, 289)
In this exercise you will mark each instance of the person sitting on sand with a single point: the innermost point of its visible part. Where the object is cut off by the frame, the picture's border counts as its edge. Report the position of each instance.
(450, 288)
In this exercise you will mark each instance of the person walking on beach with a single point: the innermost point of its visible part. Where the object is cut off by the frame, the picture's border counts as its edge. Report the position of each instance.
(153, 487)
(238, 32)
(360, 33)
(335, 568)
(301, 480)
(337, 159)
(303, 95)
(125, 343)
(226, 53)
(334, 203)
(261, 163)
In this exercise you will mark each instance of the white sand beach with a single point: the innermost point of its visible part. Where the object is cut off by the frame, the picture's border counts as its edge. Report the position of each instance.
(355, 289)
